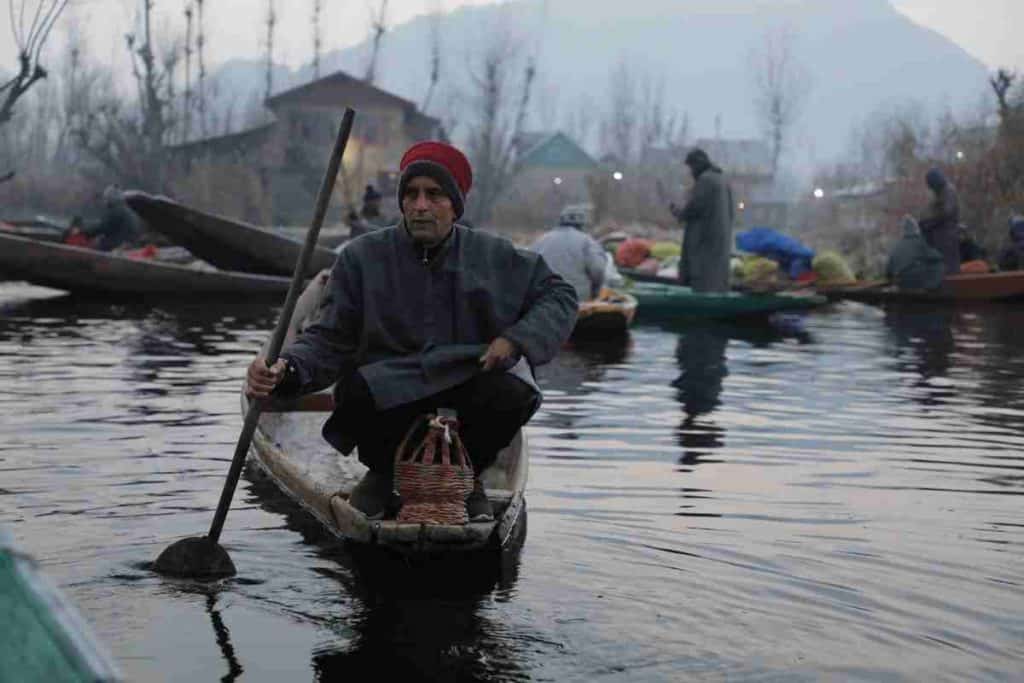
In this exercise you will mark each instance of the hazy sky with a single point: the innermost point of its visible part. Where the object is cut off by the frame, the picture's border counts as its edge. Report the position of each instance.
(988, 29)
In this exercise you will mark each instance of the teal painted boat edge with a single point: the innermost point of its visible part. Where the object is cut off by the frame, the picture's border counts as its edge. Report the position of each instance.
(84, 658)
(665, 299)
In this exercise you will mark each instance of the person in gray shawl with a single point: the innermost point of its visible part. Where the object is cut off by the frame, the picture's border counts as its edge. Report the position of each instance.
(941, 220)
(424, 315)
(707, 237)
(913, 264)
(574, 254)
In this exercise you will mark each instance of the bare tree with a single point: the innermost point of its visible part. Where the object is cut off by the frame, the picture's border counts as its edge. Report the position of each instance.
(131, 143)
(434, 7)
(201, 58)
(620, 125)
(188, 95)
(379, 27)
(499, 115)
(29, 39)
(1002, 84)
(781, 87)
(271, 23)
(317, 7)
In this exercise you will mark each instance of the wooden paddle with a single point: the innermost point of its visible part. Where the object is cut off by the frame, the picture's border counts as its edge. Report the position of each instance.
(202, 556)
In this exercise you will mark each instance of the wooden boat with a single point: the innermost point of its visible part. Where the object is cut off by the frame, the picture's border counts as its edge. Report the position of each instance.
(227, 244)
(962, 288)
(81, 270)
(610, 314)
(37, 228)
(45, 638)
(666, 297)
(288, 447)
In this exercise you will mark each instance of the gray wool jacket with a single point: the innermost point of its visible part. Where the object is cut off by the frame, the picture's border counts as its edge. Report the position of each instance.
(413, 329)
(707, 239)
(576, 256)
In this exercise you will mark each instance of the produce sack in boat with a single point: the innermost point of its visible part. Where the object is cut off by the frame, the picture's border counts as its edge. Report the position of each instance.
(666, 250)
(633, 252)
(832, 269)
(760, 271)
(790, 254)
(433, 473)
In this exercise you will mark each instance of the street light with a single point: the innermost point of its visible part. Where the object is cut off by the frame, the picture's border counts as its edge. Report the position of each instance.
(960, 155)
(617, 175)
(742, 206)
(819, 193)
(558, 181)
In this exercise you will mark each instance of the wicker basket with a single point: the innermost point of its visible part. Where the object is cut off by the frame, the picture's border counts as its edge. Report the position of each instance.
(433, 473)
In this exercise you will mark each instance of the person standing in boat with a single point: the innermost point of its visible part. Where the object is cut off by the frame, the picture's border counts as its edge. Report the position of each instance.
(574, 254)
(427, 315)
(708, 217)
(940, 222)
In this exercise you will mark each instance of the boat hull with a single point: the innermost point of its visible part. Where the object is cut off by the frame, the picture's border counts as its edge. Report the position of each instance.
(962, 288)
(45, 638)
(81, 270)
(227, 244)
(612, 314)
(661, 299)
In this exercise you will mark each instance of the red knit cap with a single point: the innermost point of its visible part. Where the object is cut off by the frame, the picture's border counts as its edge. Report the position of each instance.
(441, 162)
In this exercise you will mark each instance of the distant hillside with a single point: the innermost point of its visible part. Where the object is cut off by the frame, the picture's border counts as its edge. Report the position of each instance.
(861, 54)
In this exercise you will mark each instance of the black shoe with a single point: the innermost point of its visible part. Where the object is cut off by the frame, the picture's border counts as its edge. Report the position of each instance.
(478, 507)
(372, 495)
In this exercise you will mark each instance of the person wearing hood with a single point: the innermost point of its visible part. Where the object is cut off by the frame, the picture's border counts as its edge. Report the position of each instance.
(913, 264)
(117, 227)
(574, 254)
(370, 217)
(1012, 257)
(941, 220)
(425, 315)
(708, 217)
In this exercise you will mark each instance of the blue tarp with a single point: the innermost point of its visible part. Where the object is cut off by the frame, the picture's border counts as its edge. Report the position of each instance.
(792, 256)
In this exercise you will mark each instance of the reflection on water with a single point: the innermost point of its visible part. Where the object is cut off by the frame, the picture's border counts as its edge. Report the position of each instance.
(832, 498)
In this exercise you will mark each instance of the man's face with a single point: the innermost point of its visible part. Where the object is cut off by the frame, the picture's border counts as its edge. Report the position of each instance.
(429, 214)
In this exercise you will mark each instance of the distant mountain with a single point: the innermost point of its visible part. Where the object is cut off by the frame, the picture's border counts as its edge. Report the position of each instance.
(860, 54)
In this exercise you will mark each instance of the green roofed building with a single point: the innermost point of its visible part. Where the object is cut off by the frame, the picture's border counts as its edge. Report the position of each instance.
(550, 171)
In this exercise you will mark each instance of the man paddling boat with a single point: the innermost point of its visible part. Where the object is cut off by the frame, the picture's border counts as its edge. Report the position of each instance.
(421, 316)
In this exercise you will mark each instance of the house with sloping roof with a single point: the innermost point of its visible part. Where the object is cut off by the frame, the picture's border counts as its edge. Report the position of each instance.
(290, 153)
(550, 170)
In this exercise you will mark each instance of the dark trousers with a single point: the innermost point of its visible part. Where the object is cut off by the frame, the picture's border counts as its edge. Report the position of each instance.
(491, 408)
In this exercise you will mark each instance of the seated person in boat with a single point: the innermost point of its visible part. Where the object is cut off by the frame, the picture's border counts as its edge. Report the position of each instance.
(117, 227)
(425, 315)
(913, 264)
(370, 217)
(1012, 256)
(574, 254)
(74, 235)
(708, 217)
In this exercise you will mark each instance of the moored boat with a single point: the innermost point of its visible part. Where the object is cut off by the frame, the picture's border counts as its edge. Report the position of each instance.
(610, 314)
(82, 270)
(666, 298)
(44, 637)
(225, 243)
(961, 288)
(289, 448)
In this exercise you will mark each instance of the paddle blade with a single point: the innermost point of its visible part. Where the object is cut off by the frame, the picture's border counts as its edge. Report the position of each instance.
(195, 558)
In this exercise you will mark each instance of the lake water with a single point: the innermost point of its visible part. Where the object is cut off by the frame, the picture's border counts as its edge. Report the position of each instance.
(834, 498)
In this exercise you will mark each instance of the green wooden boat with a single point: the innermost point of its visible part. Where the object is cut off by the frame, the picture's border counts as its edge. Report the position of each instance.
(663, 299)
(43, 636)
